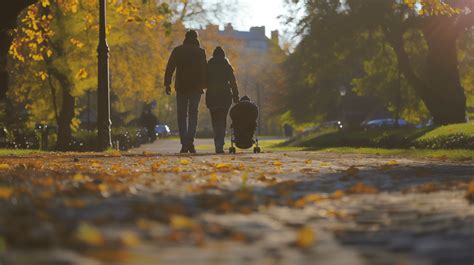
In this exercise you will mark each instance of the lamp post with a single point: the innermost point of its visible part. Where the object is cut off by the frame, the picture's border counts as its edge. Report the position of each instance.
(103, 93)
(343, 93)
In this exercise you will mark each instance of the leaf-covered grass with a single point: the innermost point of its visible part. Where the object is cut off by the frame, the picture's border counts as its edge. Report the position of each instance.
(17, 152)
(458, 154)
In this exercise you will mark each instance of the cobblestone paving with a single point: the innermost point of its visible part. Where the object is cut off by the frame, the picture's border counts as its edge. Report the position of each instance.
(361, 210)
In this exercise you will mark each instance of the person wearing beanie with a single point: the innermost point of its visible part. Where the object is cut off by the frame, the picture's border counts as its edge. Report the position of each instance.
(221, 91)
(189, 62)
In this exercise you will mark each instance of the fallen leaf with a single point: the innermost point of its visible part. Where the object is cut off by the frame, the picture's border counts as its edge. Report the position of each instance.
(81, 178)
(180, 222)
(187, 177)
(213, 179)
(4, 167)
(6, 192)
(324, 164)
(129, 239)
(305, 237)
(392, 163)
(277, 164)
(184, 162)
(89, 234)
(338, 194)
(224, 167)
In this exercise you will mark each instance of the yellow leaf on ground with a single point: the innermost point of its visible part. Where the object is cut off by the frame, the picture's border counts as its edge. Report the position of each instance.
(6, 192)
(187, 177)
(184, 162)
(4, 167)
(277, 163)
(129, 239)
(305, 237)
(80, 178)
(392, 163)
(182, 222)
(223, 167)
(214, 178)
(89, 234)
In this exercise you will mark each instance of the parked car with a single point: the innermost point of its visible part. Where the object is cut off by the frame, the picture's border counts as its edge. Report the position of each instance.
(162, 130)
(385, 123)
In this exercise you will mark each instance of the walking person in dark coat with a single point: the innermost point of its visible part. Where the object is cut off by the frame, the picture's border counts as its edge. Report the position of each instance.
(221, 91)
(189, 61)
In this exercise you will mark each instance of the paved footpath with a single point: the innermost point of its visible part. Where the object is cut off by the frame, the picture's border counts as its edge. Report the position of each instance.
(273, 208)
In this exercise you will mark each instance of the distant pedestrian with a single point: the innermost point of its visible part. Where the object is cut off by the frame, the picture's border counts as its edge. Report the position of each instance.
(288, 129)
(190, 63)
(221, 91)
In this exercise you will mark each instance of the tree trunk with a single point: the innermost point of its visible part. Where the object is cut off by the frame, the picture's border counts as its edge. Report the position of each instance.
(445, 98)
(5, 41)
(440, 88)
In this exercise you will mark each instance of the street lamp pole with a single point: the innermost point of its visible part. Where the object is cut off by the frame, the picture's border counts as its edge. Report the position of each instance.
(103, 94)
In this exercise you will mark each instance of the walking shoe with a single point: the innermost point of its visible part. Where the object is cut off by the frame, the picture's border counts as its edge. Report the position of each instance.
(192, 149)
(184, 149)
(220, 151)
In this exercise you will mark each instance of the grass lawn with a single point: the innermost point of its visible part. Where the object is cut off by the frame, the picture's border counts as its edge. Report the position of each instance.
(17, 152)
(458, 155)
(466, 129)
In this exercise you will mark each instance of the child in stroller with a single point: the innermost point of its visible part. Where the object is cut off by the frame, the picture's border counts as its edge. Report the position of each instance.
(244, 117)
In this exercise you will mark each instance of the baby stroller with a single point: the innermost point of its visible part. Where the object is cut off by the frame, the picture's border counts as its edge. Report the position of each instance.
(244, 117)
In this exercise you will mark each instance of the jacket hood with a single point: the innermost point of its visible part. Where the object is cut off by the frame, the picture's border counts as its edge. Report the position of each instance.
(219, 52)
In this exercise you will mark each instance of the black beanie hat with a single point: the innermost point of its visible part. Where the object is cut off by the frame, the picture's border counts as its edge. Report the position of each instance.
(219, 52)
(191, 34)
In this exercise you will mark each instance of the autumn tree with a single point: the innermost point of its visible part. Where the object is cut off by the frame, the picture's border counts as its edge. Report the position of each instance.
(9, 12)
(56, 44)
(441, 24)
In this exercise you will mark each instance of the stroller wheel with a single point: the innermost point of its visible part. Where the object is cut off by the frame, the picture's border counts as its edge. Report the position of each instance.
(232, 150)
(257, 150)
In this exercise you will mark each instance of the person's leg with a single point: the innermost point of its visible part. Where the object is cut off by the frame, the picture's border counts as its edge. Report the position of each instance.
(219, 121)
(194, 101)
(182, 106)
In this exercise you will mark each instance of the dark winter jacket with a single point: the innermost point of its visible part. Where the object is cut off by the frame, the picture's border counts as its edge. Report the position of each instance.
(189, 61)
(221, 83)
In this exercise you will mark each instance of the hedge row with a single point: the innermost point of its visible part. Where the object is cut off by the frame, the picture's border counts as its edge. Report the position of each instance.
(395, 138)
